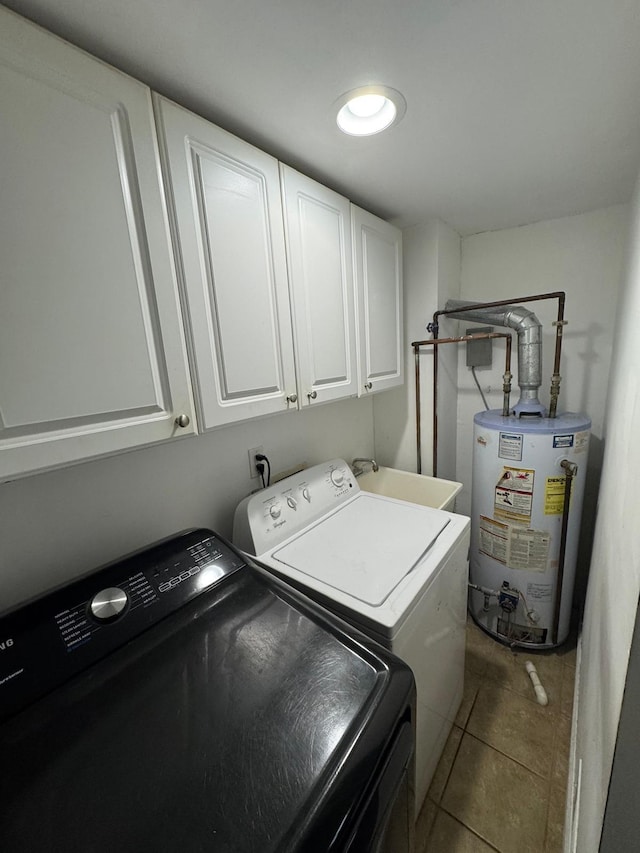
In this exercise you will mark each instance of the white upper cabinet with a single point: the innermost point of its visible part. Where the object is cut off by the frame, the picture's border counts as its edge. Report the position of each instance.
(92, 357)
(230, 253)
(318, 233)
(378, 272)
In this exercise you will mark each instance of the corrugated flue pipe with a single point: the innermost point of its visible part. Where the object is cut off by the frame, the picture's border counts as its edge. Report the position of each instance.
(529, 330)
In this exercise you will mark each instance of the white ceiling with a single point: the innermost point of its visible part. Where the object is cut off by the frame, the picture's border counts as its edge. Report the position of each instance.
(517, 110)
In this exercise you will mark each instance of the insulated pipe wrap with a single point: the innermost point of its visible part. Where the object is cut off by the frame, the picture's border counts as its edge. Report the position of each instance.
(529, 330)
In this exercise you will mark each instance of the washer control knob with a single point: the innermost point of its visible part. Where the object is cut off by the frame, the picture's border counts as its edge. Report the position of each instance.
(337, 477)
(108, 604)
(292, 502)
(275, 510)
(306, 495)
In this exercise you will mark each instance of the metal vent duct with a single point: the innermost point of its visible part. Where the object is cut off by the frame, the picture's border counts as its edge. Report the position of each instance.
(529, 330)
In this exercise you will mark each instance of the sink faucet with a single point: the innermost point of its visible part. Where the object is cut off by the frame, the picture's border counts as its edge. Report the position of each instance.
(359, 462)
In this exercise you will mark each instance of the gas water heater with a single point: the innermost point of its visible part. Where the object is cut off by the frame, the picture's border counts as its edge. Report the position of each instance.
(528, 479)
(520, 556)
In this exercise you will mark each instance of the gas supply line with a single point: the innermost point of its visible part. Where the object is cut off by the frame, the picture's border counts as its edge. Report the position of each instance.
(483, 308)
(435, 343)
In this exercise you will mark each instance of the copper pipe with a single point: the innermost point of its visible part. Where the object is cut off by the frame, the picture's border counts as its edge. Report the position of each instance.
(558, 294)
(559, 324)
(570, 471)
(435, 342)
(555, 379)
(416, 355)
(434, 446)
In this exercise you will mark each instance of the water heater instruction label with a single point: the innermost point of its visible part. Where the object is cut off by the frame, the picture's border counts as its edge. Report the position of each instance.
(515, 547)
(540, 592)
(514, 494)
(529, 549)
(494, 539)
(510, 446)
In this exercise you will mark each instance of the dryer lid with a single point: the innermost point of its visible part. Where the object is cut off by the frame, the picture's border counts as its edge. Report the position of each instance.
(366, 547)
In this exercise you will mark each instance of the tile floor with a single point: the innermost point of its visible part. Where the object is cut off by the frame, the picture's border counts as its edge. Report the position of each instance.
(501, 782)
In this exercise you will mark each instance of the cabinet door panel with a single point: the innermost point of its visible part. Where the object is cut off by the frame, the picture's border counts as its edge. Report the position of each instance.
(321, 271)
(91, 352)
(228, 227)
(378, 262)
(235, 230)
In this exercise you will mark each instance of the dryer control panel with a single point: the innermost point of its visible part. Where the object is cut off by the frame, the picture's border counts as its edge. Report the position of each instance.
(270, 516)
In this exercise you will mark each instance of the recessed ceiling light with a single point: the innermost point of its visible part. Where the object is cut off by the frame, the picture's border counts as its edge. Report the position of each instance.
(369, 109)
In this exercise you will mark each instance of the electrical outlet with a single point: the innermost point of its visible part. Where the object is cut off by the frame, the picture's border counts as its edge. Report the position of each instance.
(253, 471)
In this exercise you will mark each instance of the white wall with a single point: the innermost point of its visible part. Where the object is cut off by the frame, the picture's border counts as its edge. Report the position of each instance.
(614, 581)
(431, 267)
(583, 256)
(60, 524)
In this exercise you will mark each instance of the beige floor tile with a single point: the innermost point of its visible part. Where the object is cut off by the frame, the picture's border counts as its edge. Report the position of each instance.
(518, 727)
(555, 822)
(507, 668)
(568, 689)
(450, 836)
(472, 684)
(478, 649)
(497, 798)
(424, 824)
(494, 661)
(561, 764)
(445, 764)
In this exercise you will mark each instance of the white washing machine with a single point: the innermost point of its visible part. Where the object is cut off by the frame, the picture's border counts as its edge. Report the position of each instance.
(395, 570)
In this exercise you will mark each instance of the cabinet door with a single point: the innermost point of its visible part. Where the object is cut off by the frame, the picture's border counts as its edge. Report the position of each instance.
(229, 239)
(92, 357)
(318, 232)
(378, 269)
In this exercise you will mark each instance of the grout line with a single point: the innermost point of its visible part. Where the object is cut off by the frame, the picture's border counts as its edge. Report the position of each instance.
(556, 736)
(490, 685)
(468, 828)
(473, 705)
(453, 761)
(553, 709)
(515, 760)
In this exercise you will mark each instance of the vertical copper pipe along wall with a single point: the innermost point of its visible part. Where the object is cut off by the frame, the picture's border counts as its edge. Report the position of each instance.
(559, 324)
(435, 343)
(570, 471)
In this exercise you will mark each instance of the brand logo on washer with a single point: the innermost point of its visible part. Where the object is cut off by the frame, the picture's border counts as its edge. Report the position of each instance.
(6, 644)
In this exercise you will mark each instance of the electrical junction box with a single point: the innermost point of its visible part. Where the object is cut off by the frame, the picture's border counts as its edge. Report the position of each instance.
(479, 353)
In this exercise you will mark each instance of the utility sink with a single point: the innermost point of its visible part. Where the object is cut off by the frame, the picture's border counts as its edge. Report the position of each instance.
(415, 488)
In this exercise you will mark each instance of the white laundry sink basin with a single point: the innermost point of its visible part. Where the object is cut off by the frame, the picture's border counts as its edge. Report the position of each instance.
(415, 488)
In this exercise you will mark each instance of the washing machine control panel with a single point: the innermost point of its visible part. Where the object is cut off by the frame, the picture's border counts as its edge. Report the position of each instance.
(49, 640)
(265, 519)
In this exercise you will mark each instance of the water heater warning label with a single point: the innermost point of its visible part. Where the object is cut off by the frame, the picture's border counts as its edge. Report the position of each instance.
(514, 494)
(554, 495)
